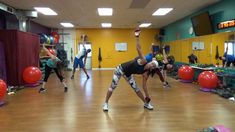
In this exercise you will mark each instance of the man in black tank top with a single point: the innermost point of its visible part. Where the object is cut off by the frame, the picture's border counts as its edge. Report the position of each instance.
(127, 69)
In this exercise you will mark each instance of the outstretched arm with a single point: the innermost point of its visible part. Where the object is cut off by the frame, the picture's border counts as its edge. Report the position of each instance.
(164, 55)
(138, 47)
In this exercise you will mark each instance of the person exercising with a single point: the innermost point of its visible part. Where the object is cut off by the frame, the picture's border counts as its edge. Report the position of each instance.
(126, 70)
(192, 59)
(227, 59)
(165, 65)
(54, 63)
(78, 60)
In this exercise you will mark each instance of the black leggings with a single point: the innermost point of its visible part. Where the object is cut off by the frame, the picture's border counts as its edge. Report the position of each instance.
(48, 72)
(229, 63)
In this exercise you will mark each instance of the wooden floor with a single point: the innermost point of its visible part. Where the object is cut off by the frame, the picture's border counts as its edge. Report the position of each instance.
(182, 108)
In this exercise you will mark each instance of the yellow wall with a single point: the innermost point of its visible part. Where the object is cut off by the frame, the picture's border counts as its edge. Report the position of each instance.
(182, 48)
(106, 39)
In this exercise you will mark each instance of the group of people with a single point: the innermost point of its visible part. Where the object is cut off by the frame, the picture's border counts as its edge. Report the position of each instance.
(145, 65)
(227, 59)
(54, 63)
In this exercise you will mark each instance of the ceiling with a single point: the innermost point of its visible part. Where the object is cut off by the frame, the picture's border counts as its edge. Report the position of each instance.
(126, 13)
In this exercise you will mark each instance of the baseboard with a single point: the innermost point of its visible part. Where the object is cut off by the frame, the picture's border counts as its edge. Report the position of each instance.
(103, 68)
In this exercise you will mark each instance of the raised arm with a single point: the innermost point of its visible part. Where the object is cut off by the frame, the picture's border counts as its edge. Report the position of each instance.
(164, 55)
(138, 47)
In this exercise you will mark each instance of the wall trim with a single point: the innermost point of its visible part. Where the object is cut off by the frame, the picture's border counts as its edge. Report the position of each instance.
(103, 68)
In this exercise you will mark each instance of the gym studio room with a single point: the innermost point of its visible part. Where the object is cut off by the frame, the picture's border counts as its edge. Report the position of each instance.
(117, 66)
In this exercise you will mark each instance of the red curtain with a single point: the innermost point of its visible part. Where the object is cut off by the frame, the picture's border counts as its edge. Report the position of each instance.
(3, 75)
(21, 51)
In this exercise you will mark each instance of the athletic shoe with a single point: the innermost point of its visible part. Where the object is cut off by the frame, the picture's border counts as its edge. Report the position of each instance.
(105, 107)
(41, 90)
(166, 86)
(65, 89)
(148, 106)
(72, 77)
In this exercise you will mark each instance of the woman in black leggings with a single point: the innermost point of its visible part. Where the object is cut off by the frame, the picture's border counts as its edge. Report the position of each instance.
(137, 66)
(54, 63)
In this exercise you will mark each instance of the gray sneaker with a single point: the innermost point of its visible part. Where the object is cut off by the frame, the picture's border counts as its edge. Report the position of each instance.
(148, 106)
(105, 107)
(41, 90)
(72, 77)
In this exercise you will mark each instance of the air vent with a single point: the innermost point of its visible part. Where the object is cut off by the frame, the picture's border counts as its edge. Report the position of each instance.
(7, 8)
(135, 4)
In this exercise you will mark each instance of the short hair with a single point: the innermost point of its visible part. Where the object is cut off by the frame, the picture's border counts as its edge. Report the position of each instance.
(88, 51)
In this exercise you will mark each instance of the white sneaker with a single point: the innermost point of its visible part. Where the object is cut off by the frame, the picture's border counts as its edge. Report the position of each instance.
(105, 107)
(148, 106)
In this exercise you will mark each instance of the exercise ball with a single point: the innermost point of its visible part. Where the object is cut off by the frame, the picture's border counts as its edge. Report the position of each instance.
(42, 38)
(32, 75)
(221, 128)
(51, 39)
(208, 79)
(186, 73)
(52, 51)
(55, 35)
(48, 40)
(159, 57)
(56, 41)
(3, 89)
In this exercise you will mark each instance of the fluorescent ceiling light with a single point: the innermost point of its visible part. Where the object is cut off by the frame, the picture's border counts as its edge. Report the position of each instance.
(145, 25)
(45, 11)
(105, 11)
(162, 11)
(65, 24)
(106, 25)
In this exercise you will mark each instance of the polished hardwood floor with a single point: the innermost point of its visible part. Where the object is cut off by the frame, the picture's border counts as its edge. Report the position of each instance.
(181, 108)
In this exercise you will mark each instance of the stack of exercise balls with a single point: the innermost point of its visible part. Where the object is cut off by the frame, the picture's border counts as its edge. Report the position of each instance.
(32, 75)
(3, 91)
(207, 80)
(186, 73)
(53, 38)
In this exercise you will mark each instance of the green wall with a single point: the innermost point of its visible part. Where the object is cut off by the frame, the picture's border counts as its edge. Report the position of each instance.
(221, 11)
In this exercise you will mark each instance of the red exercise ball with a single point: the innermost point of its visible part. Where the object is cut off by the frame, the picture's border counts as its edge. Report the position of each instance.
(208, 79)
(186, 72)
(56, 41)
(55, 35)
(32, 75)
(3, 89)
(51, 51)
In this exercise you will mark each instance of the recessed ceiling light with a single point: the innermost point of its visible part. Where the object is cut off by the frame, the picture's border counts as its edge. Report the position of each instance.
(45, 11)
(106, 25)
(145, 25)
(162, 11)
(66, 24)
(105, 11)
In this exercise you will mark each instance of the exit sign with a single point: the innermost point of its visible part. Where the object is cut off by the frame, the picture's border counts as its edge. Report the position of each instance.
(226, 24)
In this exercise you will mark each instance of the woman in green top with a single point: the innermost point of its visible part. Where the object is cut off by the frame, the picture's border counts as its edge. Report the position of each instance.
(55, 64)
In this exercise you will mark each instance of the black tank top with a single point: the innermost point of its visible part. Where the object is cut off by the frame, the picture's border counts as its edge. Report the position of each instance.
(132, 67)
(162, 65)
